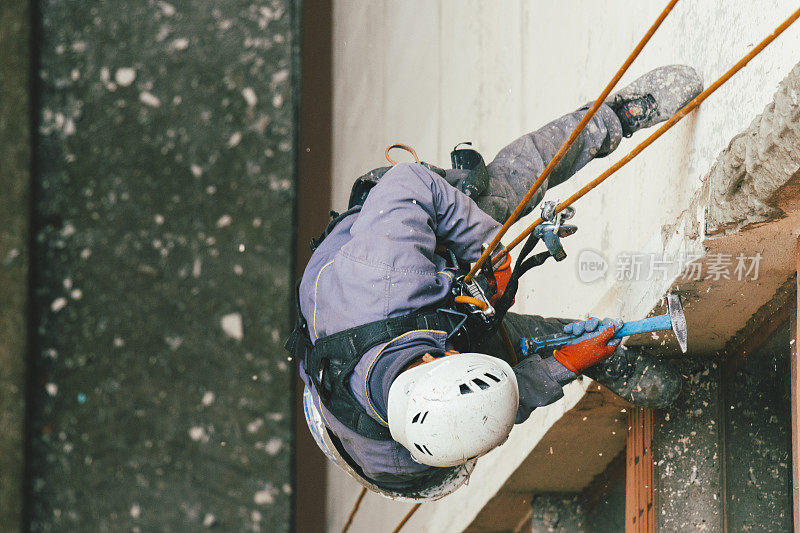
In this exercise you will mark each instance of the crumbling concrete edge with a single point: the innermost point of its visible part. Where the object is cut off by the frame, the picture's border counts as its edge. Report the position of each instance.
(748, 177)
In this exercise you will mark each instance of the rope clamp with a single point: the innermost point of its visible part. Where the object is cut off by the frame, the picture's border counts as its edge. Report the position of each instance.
(553, 229)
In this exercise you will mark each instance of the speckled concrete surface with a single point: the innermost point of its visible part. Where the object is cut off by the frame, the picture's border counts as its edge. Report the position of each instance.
(14, 208)
(163, 252)
(687, 454)
(557, 513)
(759, 444)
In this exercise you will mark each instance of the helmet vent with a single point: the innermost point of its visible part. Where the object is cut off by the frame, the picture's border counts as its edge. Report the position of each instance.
(423, 449)
(480, 383)
(493, 377)
(416, 417)
(464, 388)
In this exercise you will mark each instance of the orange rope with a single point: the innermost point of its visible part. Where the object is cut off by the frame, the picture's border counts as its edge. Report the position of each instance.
(569, 142)
(660, 131)
(402, 146)
(406, 517)
(470, 300)
(354, 511)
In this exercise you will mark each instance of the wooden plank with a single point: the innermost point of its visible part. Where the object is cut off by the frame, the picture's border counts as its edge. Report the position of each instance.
(639, 508)
(795, 399)
(314, 175)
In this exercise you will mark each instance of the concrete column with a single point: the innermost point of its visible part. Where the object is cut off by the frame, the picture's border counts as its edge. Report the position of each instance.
(758, 438)
(686, 446)
(164, 214)
(557, 513)
(14, 211)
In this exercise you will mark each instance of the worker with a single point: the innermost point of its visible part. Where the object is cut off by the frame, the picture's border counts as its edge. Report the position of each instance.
(390, 395)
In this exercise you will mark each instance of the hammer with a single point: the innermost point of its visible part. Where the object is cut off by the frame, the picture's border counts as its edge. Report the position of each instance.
(674, 319)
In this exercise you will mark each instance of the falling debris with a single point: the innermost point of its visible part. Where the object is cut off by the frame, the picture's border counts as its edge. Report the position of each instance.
(58, 304)
(149, 99)
(208, 398)
(124, 76)
(232, 326)
(249, 96)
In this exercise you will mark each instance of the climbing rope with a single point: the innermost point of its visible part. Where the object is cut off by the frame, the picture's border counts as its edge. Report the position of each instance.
(569, 142)
(406, 518)
(655, 135)
(354, 510)
(602, 177)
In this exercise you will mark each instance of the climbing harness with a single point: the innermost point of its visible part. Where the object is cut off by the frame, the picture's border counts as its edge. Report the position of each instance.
(550, 227)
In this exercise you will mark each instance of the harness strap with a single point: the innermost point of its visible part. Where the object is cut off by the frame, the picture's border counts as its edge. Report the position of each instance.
(331, 361)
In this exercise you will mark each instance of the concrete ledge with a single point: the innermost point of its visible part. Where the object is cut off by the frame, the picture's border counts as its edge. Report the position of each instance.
(753, 199)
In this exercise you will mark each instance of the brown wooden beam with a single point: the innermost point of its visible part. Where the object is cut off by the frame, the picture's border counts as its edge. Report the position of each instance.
(314, 164)
(639, 509)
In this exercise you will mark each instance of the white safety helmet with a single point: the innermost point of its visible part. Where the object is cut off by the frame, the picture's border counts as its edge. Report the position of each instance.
(439, 486)
(453, 409)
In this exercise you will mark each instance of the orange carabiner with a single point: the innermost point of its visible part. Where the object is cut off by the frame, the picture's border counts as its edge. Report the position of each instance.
(405, 147)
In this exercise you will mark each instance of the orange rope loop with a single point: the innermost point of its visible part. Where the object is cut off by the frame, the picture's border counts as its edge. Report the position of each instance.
(405, 147)
(470, 300)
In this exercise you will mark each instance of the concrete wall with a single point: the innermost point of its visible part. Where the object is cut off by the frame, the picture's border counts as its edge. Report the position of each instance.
(14, 234)
(432, 74)
(163, 254)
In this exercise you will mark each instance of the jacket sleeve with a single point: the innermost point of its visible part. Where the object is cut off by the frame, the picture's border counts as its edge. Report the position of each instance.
(540, 383)
(414, 208)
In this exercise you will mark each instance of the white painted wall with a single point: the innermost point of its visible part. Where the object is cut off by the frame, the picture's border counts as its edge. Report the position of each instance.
(434, 73)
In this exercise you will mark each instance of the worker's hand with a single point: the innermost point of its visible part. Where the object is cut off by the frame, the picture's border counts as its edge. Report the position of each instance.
(587, 326)
(593, 343)
(502, 273)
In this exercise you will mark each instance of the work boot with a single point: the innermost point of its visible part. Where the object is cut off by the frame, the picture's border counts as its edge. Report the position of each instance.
(655, 97)
(642, 379)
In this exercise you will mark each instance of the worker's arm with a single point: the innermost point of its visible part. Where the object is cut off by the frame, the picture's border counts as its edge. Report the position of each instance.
(540, 383)
(540, 380)
(412, 208)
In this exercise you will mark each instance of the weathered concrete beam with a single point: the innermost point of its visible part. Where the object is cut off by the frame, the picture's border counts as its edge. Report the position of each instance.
(757, 174)
(742, 225)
